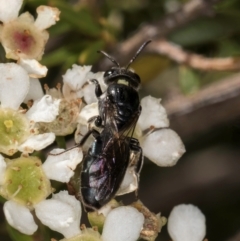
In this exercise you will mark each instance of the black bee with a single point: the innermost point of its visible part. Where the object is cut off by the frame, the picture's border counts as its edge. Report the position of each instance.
(114, 149)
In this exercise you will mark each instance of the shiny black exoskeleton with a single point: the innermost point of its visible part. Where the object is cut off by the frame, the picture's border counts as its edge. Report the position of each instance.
(114, 149)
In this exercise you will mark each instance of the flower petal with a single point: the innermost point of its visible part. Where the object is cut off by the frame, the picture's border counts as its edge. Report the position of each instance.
(60, 167)
(61, 213)
(74, 79)
(14, 81)
(88, 112)
(37, 142)
(123, 223)
(3, 166)
(153, 114)
(164, 147)
(33, 67)
(89, 90)
(186, 222)
(19, 217)
(9, 9)
(35, 91)
(44, 110)
(47, 16)
(89, 94)
(129, 183)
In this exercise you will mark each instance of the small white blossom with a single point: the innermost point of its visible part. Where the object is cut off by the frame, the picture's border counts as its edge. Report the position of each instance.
(123, 223)
(61, 213)
(163, 147)
(35, 91)
(47, 16)
(22, 37)
(19, 217)
(14, 81)
(37, 142)
(16, 175)
(34, 68)
(186, 222)
(74, 79)
(44, 109)
(88, 112)
(153, 114)
(26, 198)
(17, 126)
(61, 167)
(76, 83)
(9, 9)
(130, 182)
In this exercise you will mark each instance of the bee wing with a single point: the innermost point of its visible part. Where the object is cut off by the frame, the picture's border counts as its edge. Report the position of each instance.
(116, 156)
(109, 170)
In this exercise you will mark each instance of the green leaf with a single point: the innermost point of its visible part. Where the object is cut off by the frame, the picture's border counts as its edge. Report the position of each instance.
(228, 48)
(59, 28)
(55, 58)
(81, 19)
(205, 30)
(61, 143)
(90, 55)
(188, 79)
(36, 3)
(17, 236)
(2, 200)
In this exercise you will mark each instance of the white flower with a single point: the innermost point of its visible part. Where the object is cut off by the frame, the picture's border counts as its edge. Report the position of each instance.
(75, 93)
(23, 198)
(22, 37)
(16, 175)
(161, 145)
(61, 213)
(18, 128)
(123, 223)
(26, 223)
(153, 114)
(14, 81)
(60, 167)
(34, 68)
(186, 222)
(76, 85)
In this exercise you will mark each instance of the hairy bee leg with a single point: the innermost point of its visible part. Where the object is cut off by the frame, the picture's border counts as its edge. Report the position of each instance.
(98, 90)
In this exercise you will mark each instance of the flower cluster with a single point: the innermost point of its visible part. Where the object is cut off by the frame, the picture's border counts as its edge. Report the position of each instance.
(31, 119)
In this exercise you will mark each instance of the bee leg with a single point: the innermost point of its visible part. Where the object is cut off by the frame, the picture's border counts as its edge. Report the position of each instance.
(98, 90)
(90, 132)
(137, 159)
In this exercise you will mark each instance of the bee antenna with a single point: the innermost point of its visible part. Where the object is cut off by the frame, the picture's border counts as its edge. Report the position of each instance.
(109, 57)
(138, 52)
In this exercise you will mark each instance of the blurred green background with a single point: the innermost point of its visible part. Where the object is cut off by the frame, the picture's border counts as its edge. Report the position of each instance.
(208, 175)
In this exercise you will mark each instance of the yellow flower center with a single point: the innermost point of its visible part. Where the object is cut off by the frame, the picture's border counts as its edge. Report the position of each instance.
(8, 124)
